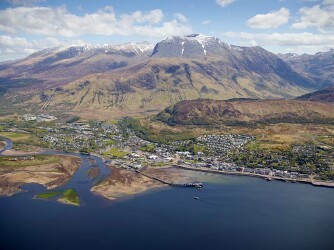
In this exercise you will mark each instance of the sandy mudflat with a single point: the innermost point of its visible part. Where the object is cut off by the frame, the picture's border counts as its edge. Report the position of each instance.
(50, 175)
(122, 183)
(15, 152)
(67, 202)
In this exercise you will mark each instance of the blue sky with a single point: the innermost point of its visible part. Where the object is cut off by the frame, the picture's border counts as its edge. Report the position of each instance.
(301, 26)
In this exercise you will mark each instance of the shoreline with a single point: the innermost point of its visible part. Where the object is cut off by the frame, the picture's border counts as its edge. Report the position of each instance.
(124, 183)
(49, 175)
(304, 181)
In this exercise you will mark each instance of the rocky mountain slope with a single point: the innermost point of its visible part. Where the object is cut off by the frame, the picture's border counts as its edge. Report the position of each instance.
(68, 63)
(207, 112)
(137, 79)
(319, 67)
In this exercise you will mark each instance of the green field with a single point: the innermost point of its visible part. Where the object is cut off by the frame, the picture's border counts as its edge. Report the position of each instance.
(24, 142)
(110, 142)
(148, 148)
(48, 195)
(115, 152)
(71, 196)
(15, 136)
(33, 160)
(68, 196)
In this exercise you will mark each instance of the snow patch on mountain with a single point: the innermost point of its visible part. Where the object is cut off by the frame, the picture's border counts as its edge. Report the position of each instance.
(138, 48)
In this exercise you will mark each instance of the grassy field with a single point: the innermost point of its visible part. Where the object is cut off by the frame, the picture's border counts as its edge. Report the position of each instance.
(115, 152)
(24, 142)
(34, 160)
(148, 147)
(48, 195)
(71, 196)
(15, 136)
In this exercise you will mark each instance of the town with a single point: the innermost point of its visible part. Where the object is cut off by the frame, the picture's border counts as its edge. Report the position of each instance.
(221, 153)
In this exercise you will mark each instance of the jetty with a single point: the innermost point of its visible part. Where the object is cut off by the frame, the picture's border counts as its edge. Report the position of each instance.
(190, 184)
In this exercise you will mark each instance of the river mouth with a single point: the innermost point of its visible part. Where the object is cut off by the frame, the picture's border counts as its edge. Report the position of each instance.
(81, 181)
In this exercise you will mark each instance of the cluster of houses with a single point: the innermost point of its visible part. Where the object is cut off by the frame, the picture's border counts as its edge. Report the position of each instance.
(139, 160)
(69, 142)
(276, 173)
(228, 167)
(39, 118)
(110, 128)
(76, 136)
(79, 135)
(222, 144)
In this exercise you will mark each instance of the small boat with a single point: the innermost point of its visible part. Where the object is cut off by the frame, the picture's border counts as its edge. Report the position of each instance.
(269, 178)
(196, 198)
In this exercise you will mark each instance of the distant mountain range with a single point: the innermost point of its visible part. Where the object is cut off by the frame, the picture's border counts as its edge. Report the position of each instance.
(318, 67)
(137, 79)
(68, 63)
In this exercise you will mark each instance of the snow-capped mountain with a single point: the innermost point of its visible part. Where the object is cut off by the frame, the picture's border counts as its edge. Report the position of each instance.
(193, 46)
(67, 63)
(141, 49)
(190, 46)
(135, 77)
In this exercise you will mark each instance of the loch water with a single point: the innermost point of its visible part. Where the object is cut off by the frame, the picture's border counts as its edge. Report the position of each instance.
(232, 212)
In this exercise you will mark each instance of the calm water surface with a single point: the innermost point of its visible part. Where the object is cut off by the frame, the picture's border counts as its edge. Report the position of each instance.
(232, 213)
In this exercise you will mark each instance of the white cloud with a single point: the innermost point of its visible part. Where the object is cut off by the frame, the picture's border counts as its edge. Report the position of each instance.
(271, 20)
(285, 42)
(180, 17)
(320, 16)
(18, 47)
(59, 21)
(224, 3)
(206, 22)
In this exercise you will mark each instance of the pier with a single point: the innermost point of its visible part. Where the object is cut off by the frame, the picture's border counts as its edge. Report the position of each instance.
(190, 184)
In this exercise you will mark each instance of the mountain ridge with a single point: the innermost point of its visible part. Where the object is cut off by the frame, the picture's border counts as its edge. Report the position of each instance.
(120, 81)
(61, 65)
(319, 67)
